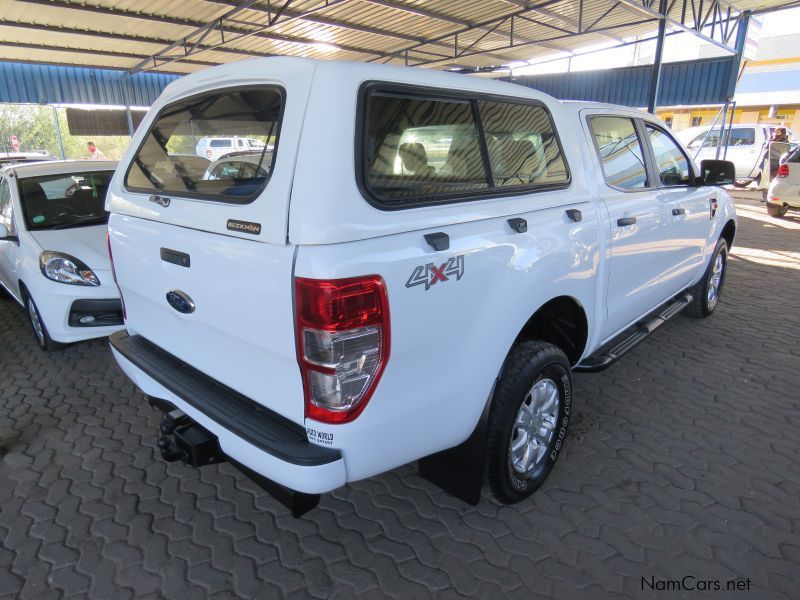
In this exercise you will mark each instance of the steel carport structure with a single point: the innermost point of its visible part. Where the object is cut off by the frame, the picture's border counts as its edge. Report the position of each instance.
(179, 36)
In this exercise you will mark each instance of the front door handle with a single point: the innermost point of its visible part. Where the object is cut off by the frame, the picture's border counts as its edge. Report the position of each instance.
(676, 212)
(626, 221)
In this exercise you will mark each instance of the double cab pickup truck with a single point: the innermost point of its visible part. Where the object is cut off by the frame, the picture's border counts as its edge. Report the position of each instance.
(412, 271)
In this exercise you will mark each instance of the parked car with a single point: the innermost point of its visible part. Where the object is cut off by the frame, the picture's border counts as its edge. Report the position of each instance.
(13, 158)
(784, 191)
(240, 165)
(214, 147)
(743, 146)
(53, 254)
(416, 278)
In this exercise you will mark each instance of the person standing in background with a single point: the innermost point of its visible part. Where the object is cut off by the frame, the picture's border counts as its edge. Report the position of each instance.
(94, 152)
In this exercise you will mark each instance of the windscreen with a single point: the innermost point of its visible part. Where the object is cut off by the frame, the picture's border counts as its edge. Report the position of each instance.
(64, 201)
(172, 159)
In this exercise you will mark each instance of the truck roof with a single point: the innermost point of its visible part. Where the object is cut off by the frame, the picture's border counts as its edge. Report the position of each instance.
(352, 73)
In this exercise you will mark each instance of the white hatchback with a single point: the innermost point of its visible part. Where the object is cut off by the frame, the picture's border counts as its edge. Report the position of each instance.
(53, 254)
(784, 191)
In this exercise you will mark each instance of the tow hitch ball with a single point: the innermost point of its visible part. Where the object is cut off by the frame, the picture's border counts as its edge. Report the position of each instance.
(183, 439)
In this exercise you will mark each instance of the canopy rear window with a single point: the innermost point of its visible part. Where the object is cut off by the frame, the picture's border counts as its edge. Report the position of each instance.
(168, 161)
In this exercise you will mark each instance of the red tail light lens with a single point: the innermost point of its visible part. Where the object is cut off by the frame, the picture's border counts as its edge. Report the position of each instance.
(342, 343)
(783, 171)
(114, 275)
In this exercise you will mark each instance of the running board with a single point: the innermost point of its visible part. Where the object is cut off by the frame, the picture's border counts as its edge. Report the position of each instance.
(610, 353)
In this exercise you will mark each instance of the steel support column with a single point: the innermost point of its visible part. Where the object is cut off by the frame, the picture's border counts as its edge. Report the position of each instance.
(655, 76)
(58, 133)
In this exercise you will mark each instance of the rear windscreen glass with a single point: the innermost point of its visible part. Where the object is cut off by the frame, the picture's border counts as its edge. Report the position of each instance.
(172, 159)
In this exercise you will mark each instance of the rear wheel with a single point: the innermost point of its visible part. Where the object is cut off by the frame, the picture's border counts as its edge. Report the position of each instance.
(706, 292)
(528, 420)
(776, 210)
(43, 338)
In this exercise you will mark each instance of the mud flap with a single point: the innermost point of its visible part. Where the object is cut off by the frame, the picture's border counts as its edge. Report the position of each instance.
(459, 470)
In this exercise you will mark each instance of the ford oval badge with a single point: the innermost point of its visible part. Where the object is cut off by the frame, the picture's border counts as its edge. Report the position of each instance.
(180, 301)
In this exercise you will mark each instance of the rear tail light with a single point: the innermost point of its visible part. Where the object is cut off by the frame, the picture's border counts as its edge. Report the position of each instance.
(783, 171)
(342, 343)
(114, 275)
(208, 153)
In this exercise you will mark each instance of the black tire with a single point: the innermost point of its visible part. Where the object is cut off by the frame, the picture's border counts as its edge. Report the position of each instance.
(42, 337)
(776, 210)
(529, 364)
(702, 305)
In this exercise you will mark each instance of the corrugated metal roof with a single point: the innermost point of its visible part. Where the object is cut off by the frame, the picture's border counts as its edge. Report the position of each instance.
(685, 83)
(46, 84)
(122, 34)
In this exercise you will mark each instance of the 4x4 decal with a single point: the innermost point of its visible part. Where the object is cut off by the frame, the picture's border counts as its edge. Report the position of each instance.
(430, 274)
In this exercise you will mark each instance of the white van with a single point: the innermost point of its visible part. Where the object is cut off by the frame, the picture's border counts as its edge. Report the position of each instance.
(743, 146)
(213, 148)
(415, 275)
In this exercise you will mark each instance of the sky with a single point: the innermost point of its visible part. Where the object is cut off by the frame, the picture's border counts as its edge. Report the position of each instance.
(678, 47)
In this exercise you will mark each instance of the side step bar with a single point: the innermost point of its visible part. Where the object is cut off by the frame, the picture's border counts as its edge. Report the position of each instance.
(625, 342)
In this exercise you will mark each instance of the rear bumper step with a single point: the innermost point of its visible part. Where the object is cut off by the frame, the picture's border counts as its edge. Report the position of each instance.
(629, 339)
(263, 428)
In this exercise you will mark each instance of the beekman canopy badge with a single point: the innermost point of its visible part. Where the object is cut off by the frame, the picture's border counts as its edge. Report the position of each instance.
(244, 227)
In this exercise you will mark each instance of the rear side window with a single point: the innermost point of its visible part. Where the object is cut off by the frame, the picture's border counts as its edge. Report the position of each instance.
(169, 162)
(620, 152)
(743, 137)
(522, 146)
(417, 150)
(222, 143)
(420, 148)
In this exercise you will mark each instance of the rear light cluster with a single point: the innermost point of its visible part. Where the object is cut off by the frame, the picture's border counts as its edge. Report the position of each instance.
(342, 343)
(114, 275)
(783, 171)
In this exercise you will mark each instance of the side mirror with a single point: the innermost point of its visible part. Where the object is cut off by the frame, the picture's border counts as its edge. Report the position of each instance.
(717, 172)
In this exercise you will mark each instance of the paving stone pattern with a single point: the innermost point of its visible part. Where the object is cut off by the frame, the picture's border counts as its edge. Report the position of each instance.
(682, 460)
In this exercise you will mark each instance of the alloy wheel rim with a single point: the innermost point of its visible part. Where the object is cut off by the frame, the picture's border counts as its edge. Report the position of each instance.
(534, 427)
(38, 329)
(715, 280)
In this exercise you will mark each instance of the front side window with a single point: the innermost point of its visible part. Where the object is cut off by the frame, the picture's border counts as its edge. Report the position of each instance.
(64, 201)
(521, 144)
(620, 152)
(236, 169)
(671, 164)
(708, 139)
(160, 165)
(419, 148)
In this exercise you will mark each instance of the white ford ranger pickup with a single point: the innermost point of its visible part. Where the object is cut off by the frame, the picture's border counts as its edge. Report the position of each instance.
(412, 272)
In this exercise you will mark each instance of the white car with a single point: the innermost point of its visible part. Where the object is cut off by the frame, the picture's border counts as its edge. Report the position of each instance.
(53, 251)
(416, 278)
(12, 158)
(240, 165)
(743, 146)
(784, 191)
(213, 148)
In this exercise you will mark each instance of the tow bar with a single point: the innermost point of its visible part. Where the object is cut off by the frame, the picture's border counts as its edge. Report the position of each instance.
(183, 439)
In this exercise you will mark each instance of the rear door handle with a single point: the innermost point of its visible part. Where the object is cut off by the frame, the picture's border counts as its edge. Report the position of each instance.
(678, 211)
(438, 241)
(626, 221)
(518, 225)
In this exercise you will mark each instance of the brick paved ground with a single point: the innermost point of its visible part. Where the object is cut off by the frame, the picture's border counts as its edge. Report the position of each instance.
(682, 460)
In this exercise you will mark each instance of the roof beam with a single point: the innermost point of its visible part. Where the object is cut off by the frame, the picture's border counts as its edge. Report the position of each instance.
(107, 35)
(551, 14)
(655, 15)
(240, 32)
(465, 25)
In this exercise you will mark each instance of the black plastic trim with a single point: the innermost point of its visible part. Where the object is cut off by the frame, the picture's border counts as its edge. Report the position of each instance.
(107, 313)
(258, 425)
(435, 93)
